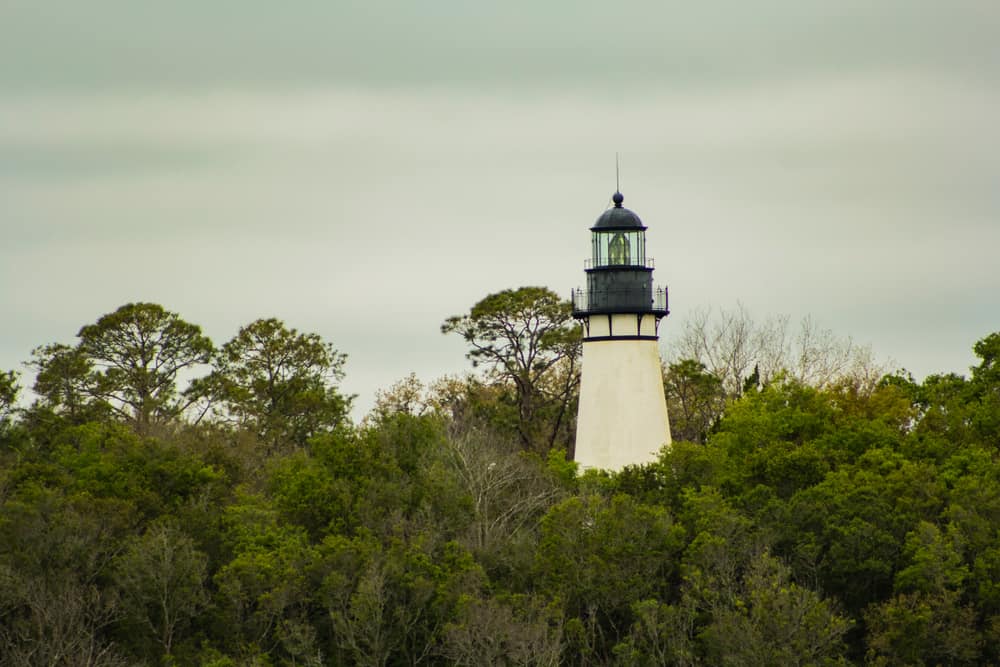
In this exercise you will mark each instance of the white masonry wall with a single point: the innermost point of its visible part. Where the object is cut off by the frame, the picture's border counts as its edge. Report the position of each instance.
(622, 418)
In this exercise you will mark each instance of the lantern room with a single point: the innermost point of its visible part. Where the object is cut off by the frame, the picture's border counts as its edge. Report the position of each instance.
(618, 238)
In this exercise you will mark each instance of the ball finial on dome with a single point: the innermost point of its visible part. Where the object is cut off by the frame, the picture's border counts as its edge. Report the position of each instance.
(617, 198)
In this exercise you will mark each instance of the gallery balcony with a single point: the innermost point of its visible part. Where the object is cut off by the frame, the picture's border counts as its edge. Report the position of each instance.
(630, 300)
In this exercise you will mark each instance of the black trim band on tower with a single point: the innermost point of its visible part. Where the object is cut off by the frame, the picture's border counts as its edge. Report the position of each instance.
(618, 267)
(593, 338)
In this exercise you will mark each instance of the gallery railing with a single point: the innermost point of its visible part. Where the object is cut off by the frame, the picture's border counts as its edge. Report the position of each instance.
(606, 263)
(632, 300)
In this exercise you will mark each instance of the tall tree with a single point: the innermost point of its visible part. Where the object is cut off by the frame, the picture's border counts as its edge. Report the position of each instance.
(137, 352)
(695, 399)
(278, 382)
(128, 361)
(508, 492)
(161, 576)
(407, 396)
(62, 381)
(8, 394)
(986, 389)
(526, 338)
(774, 621)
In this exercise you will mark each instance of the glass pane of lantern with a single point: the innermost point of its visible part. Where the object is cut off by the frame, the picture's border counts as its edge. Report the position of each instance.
(635, 247)
(619, 249)
(601, 248)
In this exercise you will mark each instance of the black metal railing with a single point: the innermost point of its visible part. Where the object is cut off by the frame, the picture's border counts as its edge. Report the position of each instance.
(631, 300)
(604, 263)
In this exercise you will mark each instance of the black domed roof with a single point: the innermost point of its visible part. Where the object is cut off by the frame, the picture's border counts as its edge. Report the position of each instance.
(618, 217)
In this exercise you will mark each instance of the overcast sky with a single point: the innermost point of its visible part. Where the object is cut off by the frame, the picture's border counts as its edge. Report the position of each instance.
(363, 170)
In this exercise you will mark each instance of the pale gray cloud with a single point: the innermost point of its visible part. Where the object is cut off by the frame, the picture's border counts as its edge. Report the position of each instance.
(558, 42)
(365, 173)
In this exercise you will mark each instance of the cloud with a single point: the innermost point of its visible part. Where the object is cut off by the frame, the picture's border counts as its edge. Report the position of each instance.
(120, 43)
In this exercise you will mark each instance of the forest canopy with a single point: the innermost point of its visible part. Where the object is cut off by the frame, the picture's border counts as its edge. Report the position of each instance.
(814, 508)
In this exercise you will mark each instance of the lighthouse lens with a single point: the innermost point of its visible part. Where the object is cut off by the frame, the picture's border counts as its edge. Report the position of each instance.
(619, 250)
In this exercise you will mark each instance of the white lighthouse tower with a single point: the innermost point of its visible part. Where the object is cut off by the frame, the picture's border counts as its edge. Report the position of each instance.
(622, 418)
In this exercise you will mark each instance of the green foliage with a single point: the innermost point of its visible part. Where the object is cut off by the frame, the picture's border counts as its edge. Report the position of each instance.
(599, 555)
(526, 339)
(936, 563)
(395, 599)
(126, 363)
(265, 581)
(986, 390)
(662, 634)
(9, 389)
(407, 396)
(695, 399)
(137, 352)
(62, 379)
(278, 383)
(853, 522)
(773, 621)
(518, 334)
(562, 468)
(161, 576)
(310, 494)
(923, 629)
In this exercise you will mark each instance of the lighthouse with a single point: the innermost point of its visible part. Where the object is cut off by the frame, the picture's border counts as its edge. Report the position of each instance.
(622, 417)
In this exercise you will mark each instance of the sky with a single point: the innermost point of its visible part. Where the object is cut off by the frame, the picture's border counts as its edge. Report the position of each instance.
(364, 170)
